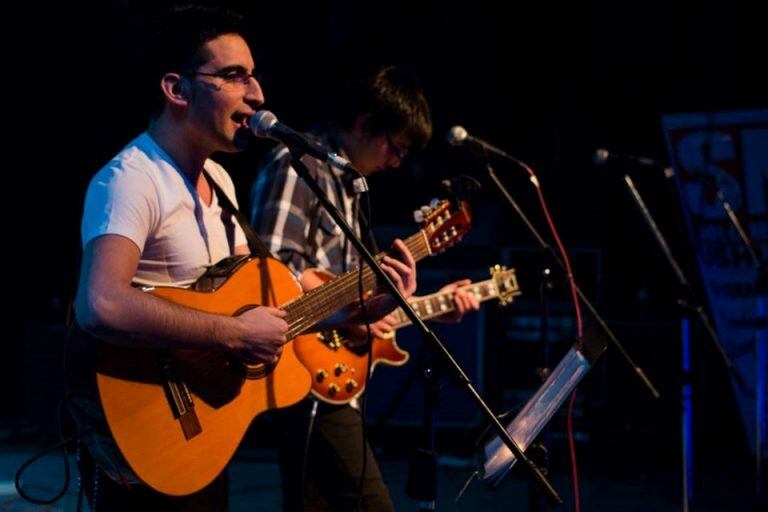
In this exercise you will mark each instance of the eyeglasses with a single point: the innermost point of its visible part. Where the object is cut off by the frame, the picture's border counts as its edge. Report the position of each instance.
(400, 152)
(232, 79)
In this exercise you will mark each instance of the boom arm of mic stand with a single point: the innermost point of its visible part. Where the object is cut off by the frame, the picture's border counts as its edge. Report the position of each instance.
(437, 345)
(759, 263)
(703, 317)
(740, 230)
(544, 245)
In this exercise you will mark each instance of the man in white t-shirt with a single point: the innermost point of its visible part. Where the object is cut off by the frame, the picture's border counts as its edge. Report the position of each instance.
(152, 218)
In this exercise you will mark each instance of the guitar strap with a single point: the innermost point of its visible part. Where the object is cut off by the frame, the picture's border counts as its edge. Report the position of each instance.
(255, 245)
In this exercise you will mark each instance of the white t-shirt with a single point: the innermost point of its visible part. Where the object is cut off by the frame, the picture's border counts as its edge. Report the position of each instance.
(141, 194)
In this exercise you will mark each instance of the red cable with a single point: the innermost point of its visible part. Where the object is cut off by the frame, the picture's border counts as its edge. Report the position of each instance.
(579, 329)
(563, 254)
(572, 449)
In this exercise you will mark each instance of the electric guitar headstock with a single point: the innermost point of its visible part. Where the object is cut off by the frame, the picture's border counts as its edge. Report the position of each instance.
(506, 284)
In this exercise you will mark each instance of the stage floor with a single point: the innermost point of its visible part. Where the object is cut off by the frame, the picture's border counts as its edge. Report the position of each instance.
(626, 485)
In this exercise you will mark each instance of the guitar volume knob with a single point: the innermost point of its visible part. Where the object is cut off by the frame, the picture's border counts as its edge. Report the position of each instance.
(351, 385)
(321, 375)
(333, 389)
(340, 368)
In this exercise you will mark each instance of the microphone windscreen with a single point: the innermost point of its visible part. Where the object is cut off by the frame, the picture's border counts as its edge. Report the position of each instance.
(456, 135)
(261, 122)
(601, 156)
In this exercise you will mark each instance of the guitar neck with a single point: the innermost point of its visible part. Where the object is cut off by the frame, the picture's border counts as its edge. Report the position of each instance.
(320, 303)
(431, 306)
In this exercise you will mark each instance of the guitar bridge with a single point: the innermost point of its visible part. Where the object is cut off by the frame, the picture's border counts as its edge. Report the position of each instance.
(180, 399)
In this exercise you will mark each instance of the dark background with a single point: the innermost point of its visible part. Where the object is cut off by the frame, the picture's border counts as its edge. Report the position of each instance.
(548, 83)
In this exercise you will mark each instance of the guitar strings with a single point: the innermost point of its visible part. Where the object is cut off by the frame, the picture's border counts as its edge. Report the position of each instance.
(326, 299)
(481, 289)
(324, 295)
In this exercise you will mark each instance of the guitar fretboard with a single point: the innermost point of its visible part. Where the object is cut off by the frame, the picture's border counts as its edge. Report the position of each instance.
(431, 306)
(323, 301)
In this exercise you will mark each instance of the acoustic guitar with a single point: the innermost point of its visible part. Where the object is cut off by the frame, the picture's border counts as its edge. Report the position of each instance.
(177, 416)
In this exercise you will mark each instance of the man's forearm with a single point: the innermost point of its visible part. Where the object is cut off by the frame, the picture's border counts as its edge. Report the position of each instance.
(134, 318)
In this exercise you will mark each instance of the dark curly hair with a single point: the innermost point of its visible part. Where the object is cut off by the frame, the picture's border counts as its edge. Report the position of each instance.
(394, 101)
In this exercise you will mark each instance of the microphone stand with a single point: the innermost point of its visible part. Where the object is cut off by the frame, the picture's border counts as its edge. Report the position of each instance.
(684, 283)
(760, 325)
(438, 347)
(548, 248)
(422, 471)
(686, 395)
(539, 450)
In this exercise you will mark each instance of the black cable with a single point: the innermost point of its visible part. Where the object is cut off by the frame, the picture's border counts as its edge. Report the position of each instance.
(80, 492)
(62, 444)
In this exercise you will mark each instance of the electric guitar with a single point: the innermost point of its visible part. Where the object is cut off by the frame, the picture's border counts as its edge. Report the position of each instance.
(177, 416)
(339, 367)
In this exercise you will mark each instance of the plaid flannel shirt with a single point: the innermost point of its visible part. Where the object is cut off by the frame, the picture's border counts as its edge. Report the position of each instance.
(291, 221)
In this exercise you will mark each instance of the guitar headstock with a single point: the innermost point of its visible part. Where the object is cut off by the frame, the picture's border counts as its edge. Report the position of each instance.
(506, 284)
(444, 223)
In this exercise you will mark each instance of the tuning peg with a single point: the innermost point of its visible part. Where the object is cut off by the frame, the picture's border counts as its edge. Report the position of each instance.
(503, 301)
(422, 213)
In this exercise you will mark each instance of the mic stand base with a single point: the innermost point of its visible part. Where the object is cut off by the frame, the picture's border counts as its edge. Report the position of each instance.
(540, 456)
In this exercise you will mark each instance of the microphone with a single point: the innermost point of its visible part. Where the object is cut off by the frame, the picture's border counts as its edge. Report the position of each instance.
(264, 124)
(604, 157)
(458, 136)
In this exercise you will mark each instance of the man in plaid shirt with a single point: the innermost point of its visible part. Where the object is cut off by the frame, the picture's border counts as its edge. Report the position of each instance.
(383, 118)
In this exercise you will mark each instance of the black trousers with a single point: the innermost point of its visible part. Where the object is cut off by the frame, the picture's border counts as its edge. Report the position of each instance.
(334, 461)
(103, 494)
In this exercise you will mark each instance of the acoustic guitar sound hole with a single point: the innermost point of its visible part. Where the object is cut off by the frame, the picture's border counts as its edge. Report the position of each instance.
(258, 371)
